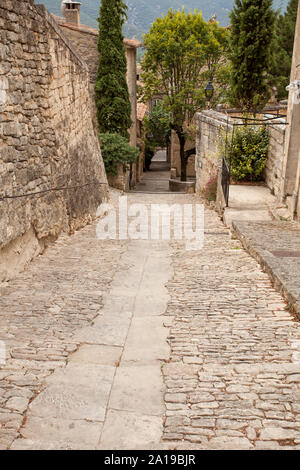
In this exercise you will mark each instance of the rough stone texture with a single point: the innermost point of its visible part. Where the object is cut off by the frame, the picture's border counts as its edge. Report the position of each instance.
(291, 166)
(91, 394)
(175, 185)
(85, 41)
(276, 245)
(232, 381)
(211, 136)
(274, 169)
(60, 293)
(47, 137)
(227, 348)
(211, 129)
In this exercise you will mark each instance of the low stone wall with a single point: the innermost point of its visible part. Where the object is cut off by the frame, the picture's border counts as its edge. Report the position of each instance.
(47, 140)
(211, 134)
(274, 169)
(121, 181)
(211, 131)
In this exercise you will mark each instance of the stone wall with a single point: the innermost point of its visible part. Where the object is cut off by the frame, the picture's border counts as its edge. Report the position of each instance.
(85, 40)
(211, 134)
(211, 129)
(274, 168)
(47, 139)
(290, 187)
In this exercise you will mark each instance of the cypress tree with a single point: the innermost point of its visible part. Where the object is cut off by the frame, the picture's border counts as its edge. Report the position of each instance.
(252, 29)
(283, 48)
(111, 90)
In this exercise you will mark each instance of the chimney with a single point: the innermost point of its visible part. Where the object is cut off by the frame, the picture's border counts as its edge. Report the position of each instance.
(71, 11)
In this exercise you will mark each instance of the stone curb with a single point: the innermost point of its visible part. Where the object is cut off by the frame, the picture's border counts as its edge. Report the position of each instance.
(268, 263)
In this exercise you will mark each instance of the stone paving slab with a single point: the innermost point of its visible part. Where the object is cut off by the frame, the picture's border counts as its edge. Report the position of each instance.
(60, 293)
(142, 431)
(98, 377)
(95, 354)
(67, 431)
(232, 378)
(276, 246)
(212, 362)
(138, 389)
(147, 341)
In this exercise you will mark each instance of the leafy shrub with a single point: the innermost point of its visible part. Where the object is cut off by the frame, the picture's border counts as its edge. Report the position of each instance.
(116, 150)
(158, 125)
(149, 154)
(150, 150)
(249, 153)
(210, 192)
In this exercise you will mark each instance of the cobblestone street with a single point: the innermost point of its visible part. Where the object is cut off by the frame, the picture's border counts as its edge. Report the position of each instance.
(144, 345)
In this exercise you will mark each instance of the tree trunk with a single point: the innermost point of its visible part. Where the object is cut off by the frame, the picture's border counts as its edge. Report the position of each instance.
(183, 158)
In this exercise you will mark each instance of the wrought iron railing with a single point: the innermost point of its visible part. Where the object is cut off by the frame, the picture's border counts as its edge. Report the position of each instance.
(225, 180)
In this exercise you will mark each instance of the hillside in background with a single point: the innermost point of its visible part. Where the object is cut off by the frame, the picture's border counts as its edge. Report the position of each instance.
(142, 13)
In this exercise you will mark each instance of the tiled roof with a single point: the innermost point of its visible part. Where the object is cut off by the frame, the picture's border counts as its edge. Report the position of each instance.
(82, 28)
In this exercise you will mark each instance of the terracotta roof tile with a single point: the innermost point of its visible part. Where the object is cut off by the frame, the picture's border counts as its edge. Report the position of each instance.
(82, 28)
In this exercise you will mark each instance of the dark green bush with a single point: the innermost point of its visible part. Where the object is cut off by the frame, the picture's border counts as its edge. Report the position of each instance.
(150, 150)
(249, 153)
(149, 154)
(115, 151)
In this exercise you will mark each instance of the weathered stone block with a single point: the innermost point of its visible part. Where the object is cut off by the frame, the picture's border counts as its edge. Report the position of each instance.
(45, 141)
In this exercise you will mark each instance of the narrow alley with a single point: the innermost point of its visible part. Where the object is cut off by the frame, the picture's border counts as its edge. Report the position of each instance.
(145, 345)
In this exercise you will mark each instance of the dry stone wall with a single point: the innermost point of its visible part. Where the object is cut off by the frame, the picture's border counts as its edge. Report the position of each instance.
(211, 132)
(274, 170)
(47, 139)
(211, 128)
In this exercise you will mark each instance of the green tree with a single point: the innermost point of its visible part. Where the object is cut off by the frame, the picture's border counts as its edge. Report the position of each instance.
(111, 90)
(181, 51)
(283, 48)
(158, 131)
(251, 40)
(117, 151)
(158, 125)
(249, 153)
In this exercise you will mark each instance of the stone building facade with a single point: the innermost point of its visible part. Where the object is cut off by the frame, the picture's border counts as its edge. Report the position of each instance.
(290, 185)
(47, 138)
(85, 40)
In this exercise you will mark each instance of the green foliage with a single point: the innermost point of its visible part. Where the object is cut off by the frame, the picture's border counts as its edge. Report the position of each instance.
(149, 154)
(115, 151)
(251, 40)
(142, 13)
(158, 125)
(249, 153)
(283, 49)
(111, 90)
(211, 187)
(182, 52)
